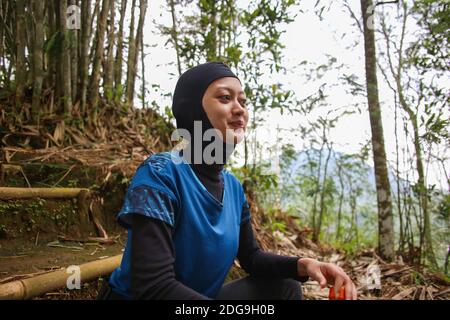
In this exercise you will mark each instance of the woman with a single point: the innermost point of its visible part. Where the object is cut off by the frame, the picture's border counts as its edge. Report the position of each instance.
(188, 218)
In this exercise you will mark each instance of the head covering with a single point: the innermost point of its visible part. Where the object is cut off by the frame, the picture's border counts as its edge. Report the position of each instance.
(187, 104)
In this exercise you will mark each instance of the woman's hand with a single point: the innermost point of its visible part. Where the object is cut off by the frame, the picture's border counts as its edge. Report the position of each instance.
(327, 274)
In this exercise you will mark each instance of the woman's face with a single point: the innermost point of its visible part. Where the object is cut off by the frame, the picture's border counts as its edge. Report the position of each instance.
(224, 103)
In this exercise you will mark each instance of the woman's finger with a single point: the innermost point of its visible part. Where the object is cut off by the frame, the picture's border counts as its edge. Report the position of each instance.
(348, 289)
(338, 282)
(319, 277)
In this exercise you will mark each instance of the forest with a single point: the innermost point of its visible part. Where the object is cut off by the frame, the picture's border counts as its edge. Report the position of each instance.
(355, 168)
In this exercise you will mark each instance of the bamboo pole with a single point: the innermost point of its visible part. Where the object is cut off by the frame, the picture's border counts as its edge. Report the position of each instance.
(41, 284)
(46, 193)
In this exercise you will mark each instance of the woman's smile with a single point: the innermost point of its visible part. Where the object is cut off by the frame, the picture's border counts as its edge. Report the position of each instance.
(237, 124)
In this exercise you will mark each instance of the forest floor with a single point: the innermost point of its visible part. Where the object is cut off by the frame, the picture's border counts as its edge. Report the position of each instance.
(26, 257)
(399, 281)
(396, 280)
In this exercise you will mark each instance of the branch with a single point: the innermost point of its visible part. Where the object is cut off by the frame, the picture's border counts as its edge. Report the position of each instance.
(385, 2)
(352, 14)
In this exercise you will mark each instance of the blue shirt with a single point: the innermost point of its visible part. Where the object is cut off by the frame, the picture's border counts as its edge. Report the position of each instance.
(206, 230)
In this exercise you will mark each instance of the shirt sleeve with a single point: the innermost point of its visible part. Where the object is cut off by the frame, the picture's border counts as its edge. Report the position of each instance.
(265, 264)
(245, 212)
(152, 194)
(152, 262)
(245, 216)
(149, 202)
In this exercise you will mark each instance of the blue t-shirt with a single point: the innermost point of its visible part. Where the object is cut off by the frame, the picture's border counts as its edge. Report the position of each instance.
(206, 230)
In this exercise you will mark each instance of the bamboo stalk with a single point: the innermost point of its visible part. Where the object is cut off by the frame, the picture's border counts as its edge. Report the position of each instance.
(41, 284)
(46, 193)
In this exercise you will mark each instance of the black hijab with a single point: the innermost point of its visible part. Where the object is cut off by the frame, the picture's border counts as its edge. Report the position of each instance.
(187, 107)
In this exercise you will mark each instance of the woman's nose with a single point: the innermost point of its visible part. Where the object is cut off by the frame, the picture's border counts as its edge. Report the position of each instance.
(238, 108)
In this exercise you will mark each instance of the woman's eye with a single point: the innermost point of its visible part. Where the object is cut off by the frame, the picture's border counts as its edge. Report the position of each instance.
(226, 97)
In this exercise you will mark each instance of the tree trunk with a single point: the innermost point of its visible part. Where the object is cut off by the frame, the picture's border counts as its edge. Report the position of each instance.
(322, 192)
(109, 62)
(74, 34)
(8, 24)
(341, 199)
(385, 220)
(131, 48)
(38, 62)
(3, 26)
(143, 73)
(399, 200)
(98, 57)
(84, 56)
(118, 88)
(211, 36)
(29, 32)
(134, 53)
(51, 55)
(2, 41)
(175, 35)
(65, 58)
(355, 222)
(315, 236)
(446, 261)
(429, 252)
(138, 42)
(21, 75)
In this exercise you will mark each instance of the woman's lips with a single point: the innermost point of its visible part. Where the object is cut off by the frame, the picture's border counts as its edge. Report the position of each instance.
(237, 124)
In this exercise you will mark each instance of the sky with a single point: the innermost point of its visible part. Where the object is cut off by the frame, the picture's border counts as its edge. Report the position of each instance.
(306, 39)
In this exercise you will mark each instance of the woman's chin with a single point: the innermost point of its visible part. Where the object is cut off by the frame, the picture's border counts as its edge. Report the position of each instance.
(234, 136)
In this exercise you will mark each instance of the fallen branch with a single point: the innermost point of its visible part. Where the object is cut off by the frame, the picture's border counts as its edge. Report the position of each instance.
(57, 244)
(45, 193)
(41, 284)
(94, 210)
(403, 294)
(90, 239)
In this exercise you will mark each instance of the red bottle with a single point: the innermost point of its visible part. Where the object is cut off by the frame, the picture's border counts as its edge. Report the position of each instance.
(341, 296)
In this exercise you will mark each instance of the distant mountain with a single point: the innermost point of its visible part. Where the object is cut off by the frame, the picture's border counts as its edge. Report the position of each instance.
(299, 165)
